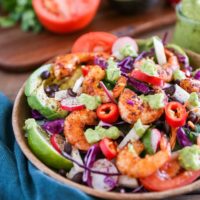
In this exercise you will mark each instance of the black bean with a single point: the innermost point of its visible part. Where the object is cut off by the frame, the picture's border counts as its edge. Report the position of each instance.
(163, 126)
(177, 82)
(167, 128)
(45, 75)
(54, 87)
(170, 90)
(68, 148)
(192, 117)
(51, 95)
(78, 177)
(62, 172)
(47, 90)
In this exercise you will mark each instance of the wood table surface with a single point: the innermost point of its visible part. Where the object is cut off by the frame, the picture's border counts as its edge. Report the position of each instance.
(11, 82)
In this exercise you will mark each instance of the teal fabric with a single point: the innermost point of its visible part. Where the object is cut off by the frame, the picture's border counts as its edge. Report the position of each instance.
(19, 179)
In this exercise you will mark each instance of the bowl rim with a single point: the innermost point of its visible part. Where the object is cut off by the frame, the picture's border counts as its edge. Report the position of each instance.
(20, 138)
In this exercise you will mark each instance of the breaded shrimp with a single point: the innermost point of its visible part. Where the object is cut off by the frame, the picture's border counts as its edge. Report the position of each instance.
(130, 164)
(74, 127)
(150, 115)
(166, 71)
(119, 87)
(190, 85)
(91, 83)
(130, 106)
(65, 65)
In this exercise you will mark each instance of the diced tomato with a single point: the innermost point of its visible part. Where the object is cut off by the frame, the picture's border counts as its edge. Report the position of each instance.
(153, 80)
(62, 16)
(176, 114)
(108, 112)
(94, 42)
(108, 148)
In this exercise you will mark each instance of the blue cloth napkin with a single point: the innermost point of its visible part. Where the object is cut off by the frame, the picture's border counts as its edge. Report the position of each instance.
(19, 179)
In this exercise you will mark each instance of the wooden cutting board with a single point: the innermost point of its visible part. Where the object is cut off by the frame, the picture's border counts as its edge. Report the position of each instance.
(21, 51)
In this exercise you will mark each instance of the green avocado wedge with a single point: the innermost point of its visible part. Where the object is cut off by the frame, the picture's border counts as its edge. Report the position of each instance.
(39, 143)
(37, 98)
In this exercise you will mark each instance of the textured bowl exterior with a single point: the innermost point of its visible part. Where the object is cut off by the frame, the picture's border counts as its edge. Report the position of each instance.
(21, 112)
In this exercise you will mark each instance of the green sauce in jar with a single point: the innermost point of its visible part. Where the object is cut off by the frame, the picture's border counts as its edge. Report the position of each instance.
(187, 31)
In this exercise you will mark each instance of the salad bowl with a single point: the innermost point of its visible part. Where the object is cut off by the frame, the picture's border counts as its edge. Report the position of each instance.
(21, 112)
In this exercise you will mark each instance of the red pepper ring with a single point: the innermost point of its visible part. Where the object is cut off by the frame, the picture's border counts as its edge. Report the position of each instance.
(85, 70)
(108, 112)
(108, 148)
(176, 114)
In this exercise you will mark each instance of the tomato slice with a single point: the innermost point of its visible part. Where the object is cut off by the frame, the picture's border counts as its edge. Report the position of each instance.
(108, 148)
(62, 16)
(94, 42)
(108, 112)
(139, 75)
(160, 182)
(176, 114)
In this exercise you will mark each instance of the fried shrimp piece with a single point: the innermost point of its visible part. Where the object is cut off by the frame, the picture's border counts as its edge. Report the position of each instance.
(119, 87)
(74, 127)
(91, 83)
(150, 115)
(166, 71)
(130, 164)
(65, 65)
(191, 85)
(130, 106)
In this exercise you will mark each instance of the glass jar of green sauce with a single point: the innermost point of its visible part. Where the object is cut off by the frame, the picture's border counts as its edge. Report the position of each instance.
(187, 31)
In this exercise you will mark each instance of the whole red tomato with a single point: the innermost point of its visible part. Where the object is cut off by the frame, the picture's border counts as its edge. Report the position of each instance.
(63, 16)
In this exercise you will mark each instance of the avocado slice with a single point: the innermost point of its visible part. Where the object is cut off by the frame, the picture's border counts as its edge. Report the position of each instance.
(37, 98)
(39, 143)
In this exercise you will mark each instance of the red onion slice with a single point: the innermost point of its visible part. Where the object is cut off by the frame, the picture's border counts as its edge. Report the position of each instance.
(103, 182)
(78, 84)
(121, 43)
(107, 92)
(71, 104)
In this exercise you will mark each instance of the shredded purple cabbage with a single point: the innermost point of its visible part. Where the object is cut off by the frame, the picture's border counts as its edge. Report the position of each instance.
(108, 180)
(183, 60)
(165, 37)
(197, 75)
(140, 56)
(101, 62)
(130, 102)
(126, 65)
(120, 123)
(66, 155)
(139, 189)
(139, 86)
(89, 159)
(36, 115)
(53, 127)
(182, 138)
(145, 54)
